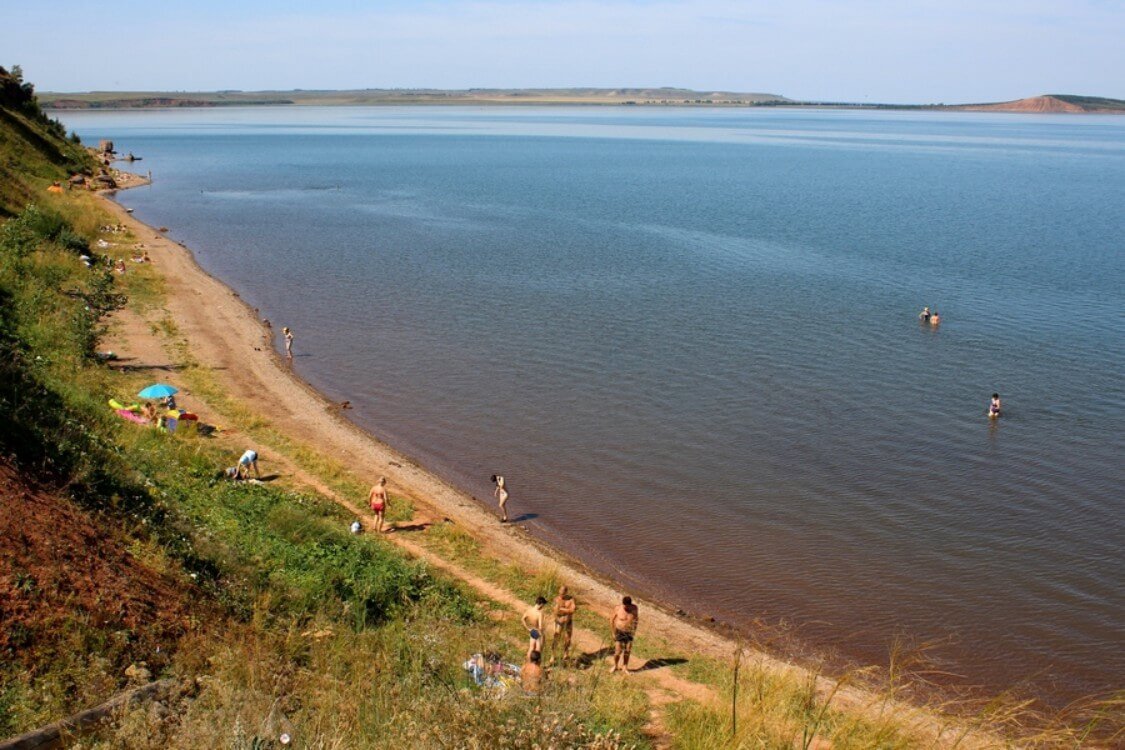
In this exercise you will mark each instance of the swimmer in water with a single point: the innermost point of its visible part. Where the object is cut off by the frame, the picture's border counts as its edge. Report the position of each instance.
(935, 318)
(994, 407)
(924, 316)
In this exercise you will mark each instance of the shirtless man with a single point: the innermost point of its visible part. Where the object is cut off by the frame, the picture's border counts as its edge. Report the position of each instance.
(532, 674)
(565, 605)
(377, 499)
(623, 626)
(501, 494)
(532, 619)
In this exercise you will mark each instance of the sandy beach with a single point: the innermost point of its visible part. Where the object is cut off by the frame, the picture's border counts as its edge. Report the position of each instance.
(225, 336)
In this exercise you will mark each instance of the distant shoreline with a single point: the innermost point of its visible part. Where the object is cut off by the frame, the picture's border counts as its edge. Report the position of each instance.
(679, 98)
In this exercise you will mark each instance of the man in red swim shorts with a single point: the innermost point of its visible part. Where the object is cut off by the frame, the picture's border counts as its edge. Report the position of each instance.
(378, 500)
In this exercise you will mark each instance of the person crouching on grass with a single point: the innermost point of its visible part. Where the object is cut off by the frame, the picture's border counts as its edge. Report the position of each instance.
(532, 674)
(248, 459)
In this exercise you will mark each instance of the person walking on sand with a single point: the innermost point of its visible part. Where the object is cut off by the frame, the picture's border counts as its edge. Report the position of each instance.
(623, 626)
(377, 499)
(532, 619)
(248, 459)
(501, 495)
(288, 341)
(565, 606)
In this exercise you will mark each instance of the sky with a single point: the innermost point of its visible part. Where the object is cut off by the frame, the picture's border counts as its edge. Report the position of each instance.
(907, 51)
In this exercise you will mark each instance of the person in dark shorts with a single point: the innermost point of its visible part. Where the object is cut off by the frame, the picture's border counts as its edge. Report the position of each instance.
(532, 619)
(623, 626)
(565, 605)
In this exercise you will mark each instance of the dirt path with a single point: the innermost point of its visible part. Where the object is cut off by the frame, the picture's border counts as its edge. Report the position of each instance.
(226, 337)
(141, 348)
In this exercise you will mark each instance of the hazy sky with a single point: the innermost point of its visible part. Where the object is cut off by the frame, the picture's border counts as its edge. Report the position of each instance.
(858, 50)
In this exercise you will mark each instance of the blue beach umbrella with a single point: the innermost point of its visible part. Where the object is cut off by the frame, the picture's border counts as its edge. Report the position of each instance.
(158, 390)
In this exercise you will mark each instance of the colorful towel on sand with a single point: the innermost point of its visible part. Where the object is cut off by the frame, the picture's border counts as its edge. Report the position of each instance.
(132, 416)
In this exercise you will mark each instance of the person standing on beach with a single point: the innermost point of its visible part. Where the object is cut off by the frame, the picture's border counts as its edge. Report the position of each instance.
(501, 495)
(532, 619)
(565, 606)
(623, 626)
(288, 342)
(377, 499)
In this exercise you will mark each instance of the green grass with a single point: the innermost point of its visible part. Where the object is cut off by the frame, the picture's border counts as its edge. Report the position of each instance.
(297, 621)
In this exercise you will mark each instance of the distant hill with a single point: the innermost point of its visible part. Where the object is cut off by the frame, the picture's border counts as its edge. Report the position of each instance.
(1066, 103)
(618, 96)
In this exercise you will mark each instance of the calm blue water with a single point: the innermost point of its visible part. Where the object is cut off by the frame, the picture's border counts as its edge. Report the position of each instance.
(688, 337)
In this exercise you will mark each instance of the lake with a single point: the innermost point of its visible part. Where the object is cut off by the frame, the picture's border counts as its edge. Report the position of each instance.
(689, 338)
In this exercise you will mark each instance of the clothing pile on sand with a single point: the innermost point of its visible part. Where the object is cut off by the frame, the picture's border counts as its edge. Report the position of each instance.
(489, 671)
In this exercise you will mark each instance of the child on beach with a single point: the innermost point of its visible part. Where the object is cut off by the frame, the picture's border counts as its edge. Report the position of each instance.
(377, 498)
(501, 495)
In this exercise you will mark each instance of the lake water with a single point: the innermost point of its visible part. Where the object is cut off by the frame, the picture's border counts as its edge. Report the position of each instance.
(689, 339)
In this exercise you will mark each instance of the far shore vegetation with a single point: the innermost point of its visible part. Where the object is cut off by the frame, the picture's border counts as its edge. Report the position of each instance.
(648, 97)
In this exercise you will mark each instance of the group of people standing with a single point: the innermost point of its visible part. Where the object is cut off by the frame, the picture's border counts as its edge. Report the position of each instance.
(622, 626)
(623, 622)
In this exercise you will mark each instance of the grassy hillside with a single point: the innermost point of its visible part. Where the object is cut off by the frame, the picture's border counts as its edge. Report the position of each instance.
(34, 149)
